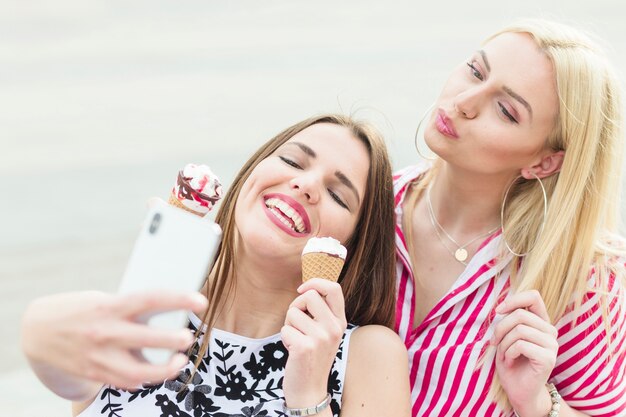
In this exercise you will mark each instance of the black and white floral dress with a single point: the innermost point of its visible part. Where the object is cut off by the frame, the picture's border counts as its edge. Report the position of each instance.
(239, 376)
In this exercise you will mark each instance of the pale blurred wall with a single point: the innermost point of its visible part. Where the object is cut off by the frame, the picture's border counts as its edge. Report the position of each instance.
(102, 101)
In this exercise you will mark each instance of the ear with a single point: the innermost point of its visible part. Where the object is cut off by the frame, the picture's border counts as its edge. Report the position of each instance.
(548, 165)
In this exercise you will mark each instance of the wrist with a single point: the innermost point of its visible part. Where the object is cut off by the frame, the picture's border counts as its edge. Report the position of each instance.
(540, 407)
(305, 399)
(311, 410)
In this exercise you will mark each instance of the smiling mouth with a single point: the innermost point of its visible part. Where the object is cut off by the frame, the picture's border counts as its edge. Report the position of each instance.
(286, 214)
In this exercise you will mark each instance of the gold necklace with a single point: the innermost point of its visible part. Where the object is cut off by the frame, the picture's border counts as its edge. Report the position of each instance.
(460, 254)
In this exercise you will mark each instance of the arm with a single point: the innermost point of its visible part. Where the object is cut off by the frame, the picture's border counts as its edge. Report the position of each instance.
(76, 342)
(376, 383)
(377, 377)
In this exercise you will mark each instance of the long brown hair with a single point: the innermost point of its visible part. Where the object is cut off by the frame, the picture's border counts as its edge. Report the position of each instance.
(368, 277)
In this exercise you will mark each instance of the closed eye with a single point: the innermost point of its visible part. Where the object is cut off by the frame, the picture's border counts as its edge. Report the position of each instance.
(506, 113)
(337, 199)
(475, 72)
(290, 162)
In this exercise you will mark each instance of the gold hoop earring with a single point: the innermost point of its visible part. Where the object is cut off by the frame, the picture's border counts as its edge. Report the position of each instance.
(417, 134)
(543, 223)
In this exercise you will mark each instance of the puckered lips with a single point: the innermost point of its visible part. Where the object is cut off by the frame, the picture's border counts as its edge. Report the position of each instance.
(287, 214)
(444, 124)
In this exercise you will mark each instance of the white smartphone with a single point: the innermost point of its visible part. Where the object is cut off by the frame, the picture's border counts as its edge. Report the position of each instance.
(174, 251)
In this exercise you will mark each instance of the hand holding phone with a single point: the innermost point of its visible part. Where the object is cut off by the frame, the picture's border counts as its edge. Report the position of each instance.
(175, 251)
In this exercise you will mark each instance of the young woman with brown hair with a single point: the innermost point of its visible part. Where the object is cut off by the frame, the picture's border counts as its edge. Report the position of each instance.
(267, 344)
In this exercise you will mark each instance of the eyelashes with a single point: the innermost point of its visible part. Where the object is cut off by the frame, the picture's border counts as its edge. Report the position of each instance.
(332, 194)
(290, 162)
(506, 113)
(475, 72)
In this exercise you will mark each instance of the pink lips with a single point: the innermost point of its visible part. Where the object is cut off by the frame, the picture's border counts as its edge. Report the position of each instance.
(295, 206)
(444, 125)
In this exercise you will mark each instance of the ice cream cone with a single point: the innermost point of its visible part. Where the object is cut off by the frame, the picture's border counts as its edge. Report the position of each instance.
(321, 265)
(196, 190)
(176, 203)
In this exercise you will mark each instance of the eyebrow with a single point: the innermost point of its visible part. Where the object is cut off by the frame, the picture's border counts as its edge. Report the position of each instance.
(484, 55)
(345, 181)
(507, 89)
(310, 152)
(340, 175)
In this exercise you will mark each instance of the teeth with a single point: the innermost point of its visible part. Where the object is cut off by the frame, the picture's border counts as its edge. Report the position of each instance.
(282, 209)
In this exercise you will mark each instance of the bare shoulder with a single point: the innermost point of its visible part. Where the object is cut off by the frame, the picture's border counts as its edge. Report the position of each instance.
(375, 341)
(377, 376)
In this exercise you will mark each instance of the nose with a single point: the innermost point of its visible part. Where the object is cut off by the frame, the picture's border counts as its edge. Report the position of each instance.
(467, 103)
(308, 184)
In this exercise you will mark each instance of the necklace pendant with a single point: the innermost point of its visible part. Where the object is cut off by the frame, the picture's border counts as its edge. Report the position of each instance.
(460, 254)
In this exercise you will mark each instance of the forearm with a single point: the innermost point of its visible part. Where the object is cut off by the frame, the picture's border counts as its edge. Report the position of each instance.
(36, 347)
(64, 385)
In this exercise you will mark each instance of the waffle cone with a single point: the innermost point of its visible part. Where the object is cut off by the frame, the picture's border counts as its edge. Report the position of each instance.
(176, 203)
(321, 265)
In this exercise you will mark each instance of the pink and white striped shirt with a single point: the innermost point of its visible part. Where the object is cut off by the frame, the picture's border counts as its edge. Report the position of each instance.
(444, 349)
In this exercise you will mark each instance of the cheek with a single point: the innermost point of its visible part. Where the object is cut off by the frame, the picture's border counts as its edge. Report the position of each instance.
(340, 227)
(502, 145)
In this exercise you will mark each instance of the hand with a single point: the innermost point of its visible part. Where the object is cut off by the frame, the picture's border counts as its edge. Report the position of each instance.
(313, 329)
(93, 336)
(526, 352)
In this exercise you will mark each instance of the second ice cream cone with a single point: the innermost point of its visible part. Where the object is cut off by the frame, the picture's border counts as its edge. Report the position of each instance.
(321, 265)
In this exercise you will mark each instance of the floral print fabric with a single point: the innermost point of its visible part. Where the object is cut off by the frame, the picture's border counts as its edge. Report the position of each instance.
(237, 377)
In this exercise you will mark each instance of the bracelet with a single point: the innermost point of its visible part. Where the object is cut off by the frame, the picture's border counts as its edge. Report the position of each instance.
(555, 397)
(308, 411)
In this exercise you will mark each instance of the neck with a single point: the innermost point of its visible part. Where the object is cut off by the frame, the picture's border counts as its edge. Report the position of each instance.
(467, 204)
(261, 295)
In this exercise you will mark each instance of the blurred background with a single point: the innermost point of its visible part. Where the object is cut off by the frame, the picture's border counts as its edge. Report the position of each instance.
(102, 102)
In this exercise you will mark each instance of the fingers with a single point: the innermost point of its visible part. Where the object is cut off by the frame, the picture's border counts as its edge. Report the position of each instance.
(312, 302)
(135, 335)
(316, 316)
(527, 334)
(522, 317)
(529, 300)
(544, 359)
(331, 291)
(136, 304)
(124, 370)
(290, 335)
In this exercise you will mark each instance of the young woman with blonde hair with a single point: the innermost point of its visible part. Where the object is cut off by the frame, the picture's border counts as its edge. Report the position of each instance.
(510, 275)
(267, 344)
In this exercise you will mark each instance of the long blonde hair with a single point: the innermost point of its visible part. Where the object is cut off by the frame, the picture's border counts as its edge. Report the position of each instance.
(368, 277)
(583, 213)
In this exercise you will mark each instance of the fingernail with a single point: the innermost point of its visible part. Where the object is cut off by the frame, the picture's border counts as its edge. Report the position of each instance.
(501, 307)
